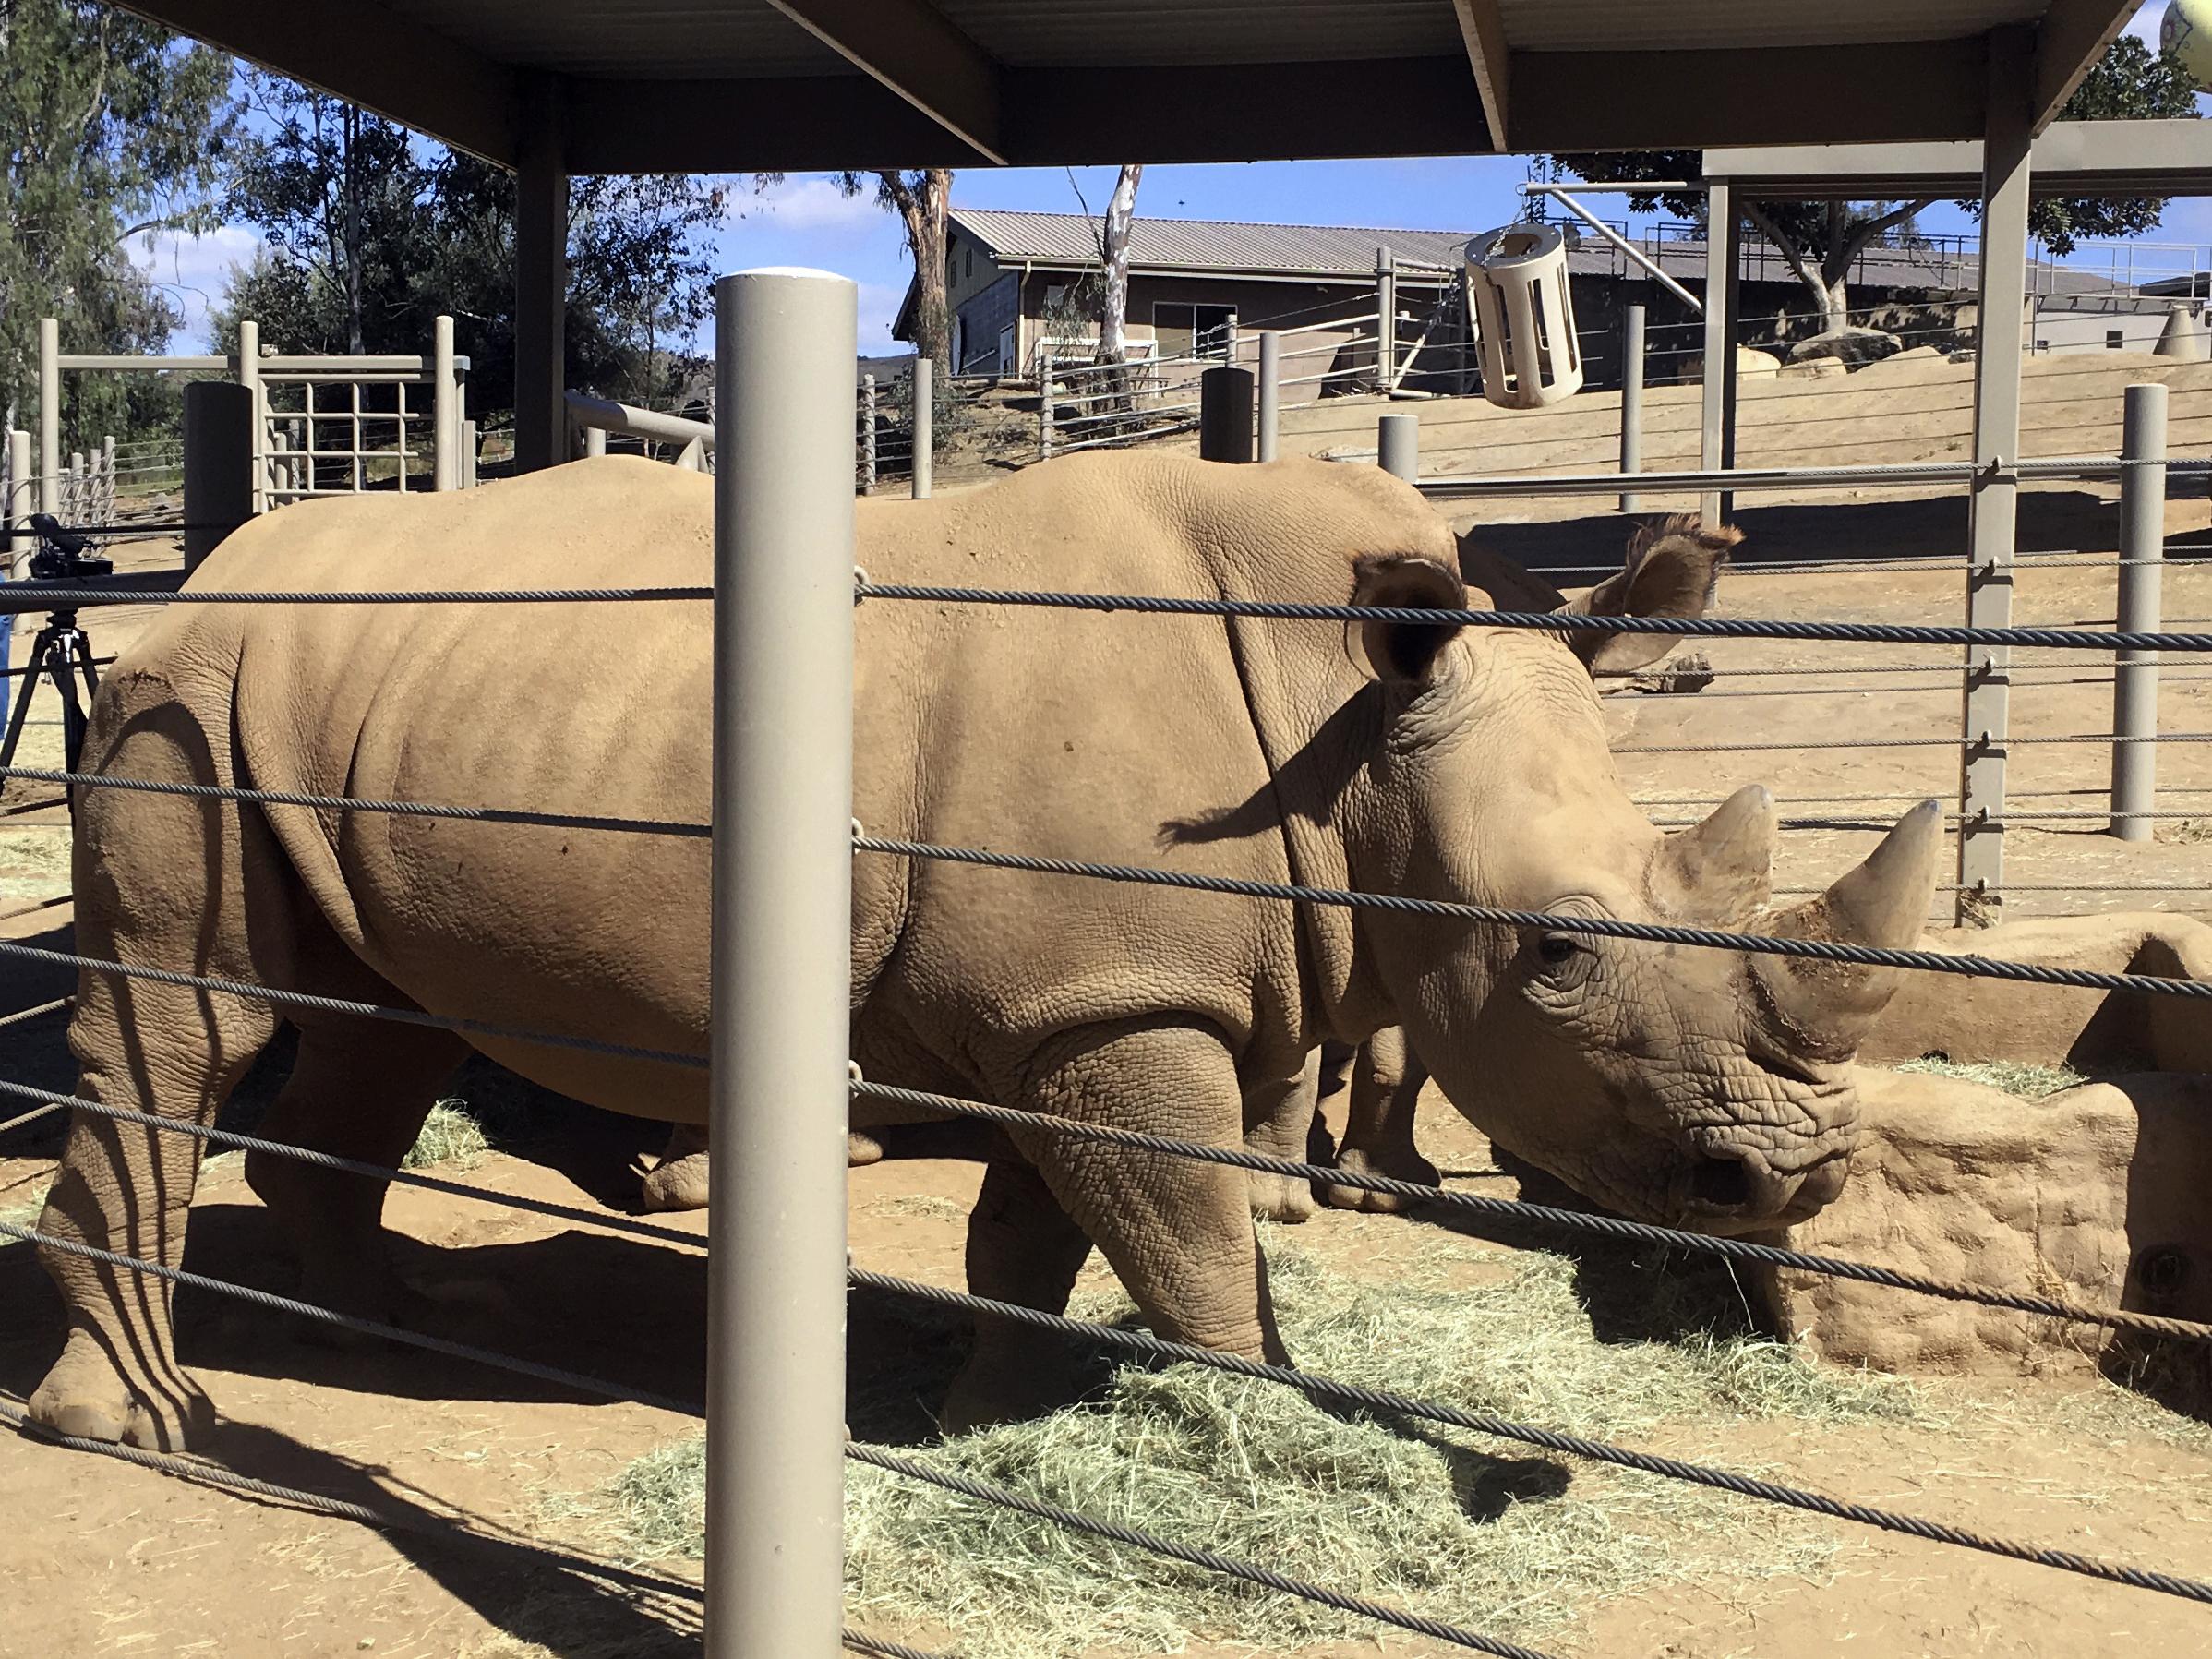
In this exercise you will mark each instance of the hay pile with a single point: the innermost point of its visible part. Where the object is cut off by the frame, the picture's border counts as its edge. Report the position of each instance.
(2021, 1078)
(1475, 1531)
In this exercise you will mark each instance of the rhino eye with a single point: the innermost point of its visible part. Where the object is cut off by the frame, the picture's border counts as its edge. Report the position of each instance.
(1563, 960)
(1556, 948)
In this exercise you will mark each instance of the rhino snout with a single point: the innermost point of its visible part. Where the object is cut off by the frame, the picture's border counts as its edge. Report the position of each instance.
(1728, 1187)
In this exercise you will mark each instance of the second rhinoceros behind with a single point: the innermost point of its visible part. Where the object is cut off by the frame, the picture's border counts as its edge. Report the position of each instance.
(1439, 760)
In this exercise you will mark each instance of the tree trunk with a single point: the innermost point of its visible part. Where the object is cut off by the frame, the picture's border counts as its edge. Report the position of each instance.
(923, 213)
(1114, 250)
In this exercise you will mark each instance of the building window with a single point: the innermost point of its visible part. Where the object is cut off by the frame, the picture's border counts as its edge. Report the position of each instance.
(970, 271)
(2115, 340)
(1181, 328)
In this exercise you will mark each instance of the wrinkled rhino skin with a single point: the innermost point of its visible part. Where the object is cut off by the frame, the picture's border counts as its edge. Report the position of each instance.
(1429, 760)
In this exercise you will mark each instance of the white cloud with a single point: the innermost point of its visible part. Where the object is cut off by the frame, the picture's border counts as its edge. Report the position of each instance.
(194, 271)
(806, 203)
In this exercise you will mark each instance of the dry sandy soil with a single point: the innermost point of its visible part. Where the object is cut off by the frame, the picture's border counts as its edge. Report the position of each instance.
(106, 1559)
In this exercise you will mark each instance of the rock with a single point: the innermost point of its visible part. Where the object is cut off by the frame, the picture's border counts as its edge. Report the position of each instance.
(1813, 368)
(1755, 365)
(1852, 347)
(2095, 1196)
(1684, 671)
(1918, 356)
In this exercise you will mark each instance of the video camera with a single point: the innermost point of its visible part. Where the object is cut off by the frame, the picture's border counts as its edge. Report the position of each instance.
(62, 555)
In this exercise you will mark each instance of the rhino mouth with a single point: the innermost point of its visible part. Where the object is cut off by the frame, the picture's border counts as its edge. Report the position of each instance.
(1730, 1189)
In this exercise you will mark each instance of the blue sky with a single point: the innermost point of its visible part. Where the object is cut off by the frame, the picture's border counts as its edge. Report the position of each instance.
(805, 220)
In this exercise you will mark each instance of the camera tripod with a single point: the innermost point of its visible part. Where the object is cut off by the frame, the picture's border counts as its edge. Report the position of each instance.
(61, 651)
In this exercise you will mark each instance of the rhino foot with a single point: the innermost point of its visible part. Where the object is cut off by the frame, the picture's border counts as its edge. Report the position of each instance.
(1400, 1164)
(677, 1183)
(83, 1396)
(1281, 1197)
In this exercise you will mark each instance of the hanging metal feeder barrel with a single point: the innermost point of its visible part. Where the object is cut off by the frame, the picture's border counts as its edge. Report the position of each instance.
(1524, 314)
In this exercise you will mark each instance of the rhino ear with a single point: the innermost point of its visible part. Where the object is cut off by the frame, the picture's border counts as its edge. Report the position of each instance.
(1721, 870)
(1671, 570)
(1406, 652)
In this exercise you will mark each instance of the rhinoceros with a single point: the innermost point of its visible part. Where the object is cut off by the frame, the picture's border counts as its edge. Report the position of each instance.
(1671, 569)
(1442, 760)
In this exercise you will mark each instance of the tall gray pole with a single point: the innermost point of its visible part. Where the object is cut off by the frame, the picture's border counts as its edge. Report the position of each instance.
(21, 503)
(781, 962)
(49, 416)
(2142, 551)
(1993, 504)
(1716, 425)
(1632, 401)
(250, 376)
(1386, 320)
(107, 479)
(540, 278)
(1271, 392)
(445, 408)
(1398, 446)
(924, 416)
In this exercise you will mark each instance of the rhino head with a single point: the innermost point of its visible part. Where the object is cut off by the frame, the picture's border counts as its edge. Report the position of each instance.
(1690, 1086)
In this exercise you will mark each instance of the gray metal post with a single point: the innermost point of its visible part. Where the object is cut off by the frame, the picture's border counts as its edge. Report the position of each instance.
(595, 441)
(1386, 319)
(49, 416)
(250, 376)
(1723, 261)
(75, 500)
(923, 418)
(219, 418)
(1044, 403)
(781, 962)
(23, 501)
(868, 435)
(445, 408)
(107, 478)
(1225, 414)
(1993, 504)
(1632, 401)
(468, 455)
(2135, 673)
(1270, 392)
(1398, 446)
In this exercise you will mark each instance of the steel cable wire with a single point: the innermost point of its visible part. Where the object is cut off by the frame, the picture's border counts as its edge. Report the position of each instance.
(1816, 950)
(1521, 1209)
(1719, 628)
(1229, 1567)
(1384, 1402)
(2099, 738)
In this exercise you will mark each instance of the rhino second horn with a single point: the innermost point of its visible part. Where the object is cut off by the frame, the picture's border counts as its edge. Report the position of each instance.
(1723, 867)
(1825, 1008)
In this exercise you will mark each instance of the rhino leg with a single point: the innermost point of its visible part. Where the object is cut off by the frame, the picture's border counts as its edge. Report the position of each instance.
(1178, 1233)
(153, 1048)
(679, 1180)
(360, 1089)
(1023, 1248)
(1281, 1118)
(1378, 1126)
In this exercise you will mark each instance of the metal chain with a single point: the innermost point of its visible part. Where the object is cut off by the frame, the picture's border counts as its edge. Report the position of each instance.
(1484, 1422)
(1573, 1221)
(1719, 628)
(1817, 950)
(404, 809)
(1213, 1561)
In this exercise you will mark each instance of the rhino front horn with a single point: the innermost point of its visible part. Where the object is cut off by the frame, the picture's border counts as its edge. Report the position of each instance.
(1883, 903)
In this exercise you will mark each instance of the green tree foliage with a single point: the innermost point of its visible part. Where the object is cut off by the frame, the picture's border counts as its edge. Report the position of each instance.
(112, 129)
(369, 232)
(1822, 239)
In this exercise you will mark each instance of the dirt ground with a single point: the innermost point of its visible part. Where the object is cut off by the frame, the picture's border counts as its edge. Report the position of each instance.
(106, 1559)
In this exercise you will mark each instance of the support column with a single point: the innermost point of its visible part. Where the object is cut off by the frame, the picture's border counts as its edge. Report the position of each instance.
(50, 416)
(1398, 446)
(1386, 320)
(541, 280)
(1225, 414)
(221, 478)
(1992, 507)
(1723, 262)
(921, 422)
(780, 962)
(1632, 400)
(445, 408)
(1270, 392)
(250, 376)
(2142, 551)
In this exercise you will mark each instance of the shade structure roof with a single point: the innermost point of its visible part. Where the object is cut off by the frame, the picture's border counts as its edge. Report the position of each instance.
(2070, 158)
(732, 85)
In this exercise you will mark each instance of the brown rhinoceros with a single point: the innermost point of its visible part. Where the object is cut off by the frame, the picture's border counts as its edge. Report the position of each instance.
(1671, 569)
(1441, 761)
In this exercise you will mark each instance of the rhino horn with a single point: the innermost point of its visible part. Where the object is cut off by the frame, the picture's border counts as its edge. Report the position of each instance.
(1825, 1008)
(1721, 869)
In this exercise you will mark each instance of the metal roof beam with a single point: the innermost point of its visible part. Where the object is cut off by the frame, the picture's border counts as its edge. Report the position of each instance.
(368, 55)
(1483, 30)
(910, 47)
(2070, 158)
(2074, 35)
(1877, 93)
